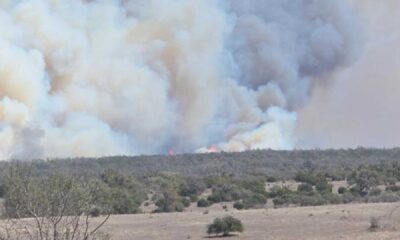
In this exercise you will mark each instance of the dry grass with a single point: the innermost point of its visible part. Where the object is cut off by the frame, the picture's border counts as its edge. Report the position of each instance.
(325, 222)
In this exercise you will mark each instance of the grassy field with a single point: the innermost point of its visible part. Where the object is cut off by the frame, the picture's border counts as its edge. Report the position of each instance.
(325, 222)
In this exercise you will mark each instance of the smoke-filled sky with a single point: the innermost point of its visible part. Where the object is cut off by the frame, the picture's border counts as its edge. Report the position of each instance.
(360, 106)
(102, 77)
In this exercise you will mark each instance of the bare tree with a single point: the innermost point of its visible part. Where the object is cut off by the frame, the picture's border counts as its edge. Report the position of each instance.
(55, 207)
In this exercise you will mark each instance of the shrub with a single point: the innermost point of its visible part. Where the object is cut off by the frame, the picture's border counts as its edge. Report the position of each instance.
(123, 202)
(393, 188)
(332, 198)
(215, 198)
(278, 191)
(375, 191)
(347, 197)
(342, 190)
(306, 178)
(191, 187)
(310, 178)
(279, 201)
(323, 186)
(3, 190)
(169, 201)
(186, 202)
(179, 207)
(271, 179)
(203, 203)
(194, 198)
(126, 194)
(305, 187)
(356, 191)
(254, 200)
(238, 205)
(315, 200)
(287, 198)
(255, 185)
(389, 197)
(390, 181)
(374, 224)
(231, 192)
(225, 225)
(364, 178)
(95, 212)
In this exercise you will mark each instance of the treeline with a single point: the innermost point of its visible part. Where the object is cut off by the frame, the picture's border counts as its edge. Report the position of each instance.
(281, 164)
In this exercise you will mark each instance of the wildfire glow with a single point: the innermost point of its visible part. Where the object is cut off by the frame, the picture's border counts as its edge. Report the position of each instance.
(212, 149)
(171, 152)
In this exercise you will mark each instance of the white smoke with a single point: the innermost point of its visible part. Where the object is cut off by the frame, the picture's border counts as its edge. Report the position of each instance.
(92, 78)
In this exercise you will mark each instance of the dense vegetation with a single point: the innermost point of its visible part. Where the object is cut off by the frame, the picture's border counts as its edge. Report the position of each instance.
(282, 164)
(172, 183)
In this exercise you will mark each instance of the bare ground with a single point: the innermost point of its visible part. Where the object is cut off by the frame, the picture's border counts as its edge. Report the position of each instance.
(325, 222)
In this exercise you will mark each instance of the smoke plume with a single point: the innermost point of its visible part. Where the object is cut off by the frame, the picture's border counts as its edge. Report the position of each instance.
(92, 78)
(360, 106)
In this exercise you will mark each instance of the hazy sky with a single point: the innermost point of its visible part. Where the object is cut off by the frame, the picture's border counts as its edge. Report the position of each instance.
(361, 106)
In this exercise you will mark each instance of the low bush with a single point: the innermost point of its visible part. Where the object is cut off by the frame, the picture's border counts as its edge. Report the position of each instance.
(374, 224)
(375, 192)
(95, 212)
(331, 198)
(348, 197)
(254, 200)
(315, 200)
(393, 188)
(194, 198)
(279, 201)
(389, 197)
(305, 187)
(342, 190)
(323, 187)
(225, 226)
(271, 179)
(203, 203)
(278, 191)
(186, 202)
(238, 205)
